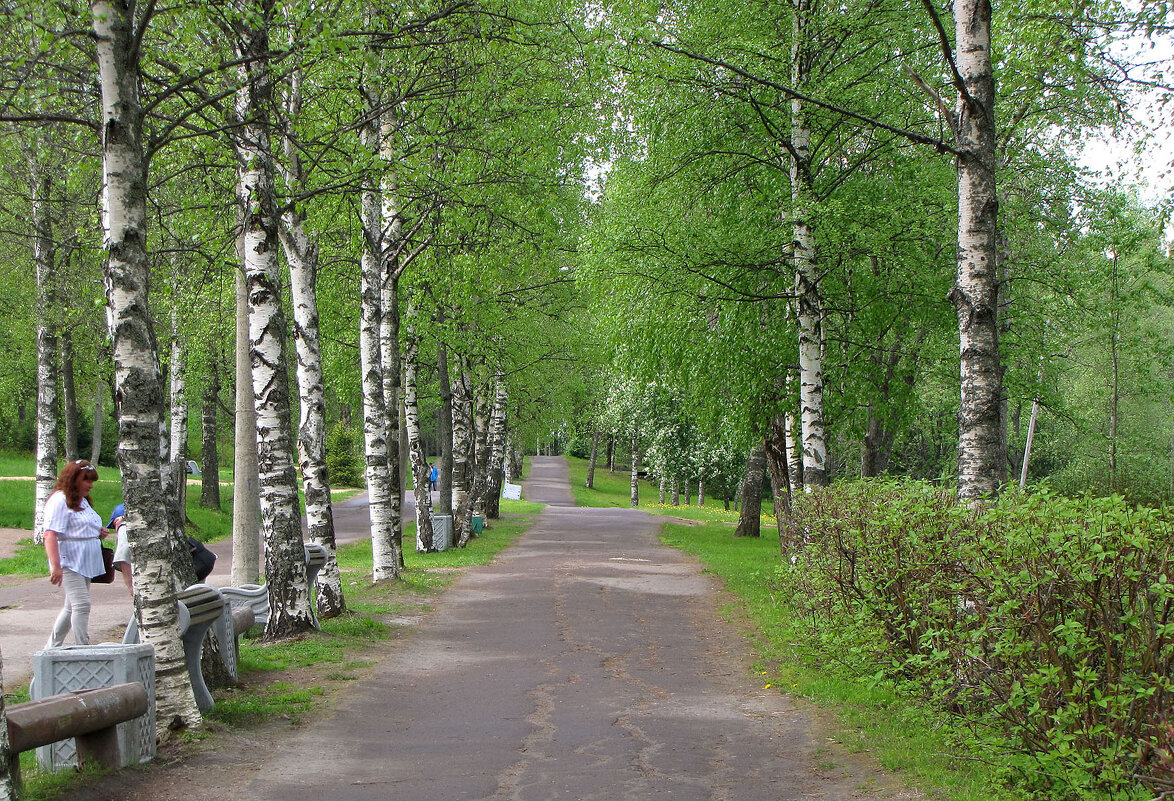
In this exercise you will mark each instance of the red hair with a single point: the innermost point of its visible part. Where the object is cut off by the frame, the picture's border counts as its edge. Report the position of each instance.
(69, 481)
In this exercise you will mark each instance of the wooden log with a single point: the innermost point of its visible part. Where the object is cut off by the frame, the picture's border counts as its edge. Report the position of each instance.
(89, 716)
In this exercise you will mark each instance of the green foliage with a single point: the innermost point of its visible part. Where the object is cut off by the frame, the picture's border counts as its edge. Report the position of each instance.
(343, 458)
(1043, 624)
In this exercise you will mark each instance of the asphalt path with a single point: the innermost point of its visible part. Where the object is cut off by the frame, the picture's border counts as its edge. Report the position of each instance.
(589, 661)
(29, 607)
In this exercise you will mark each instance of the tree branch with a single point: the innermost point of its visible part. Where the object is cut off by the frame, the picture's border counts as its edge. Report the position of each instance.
(912, 136)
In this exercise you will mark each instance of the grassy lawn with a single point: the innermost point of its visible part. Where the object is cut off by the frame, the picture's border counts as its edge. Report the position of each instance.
(901, 735)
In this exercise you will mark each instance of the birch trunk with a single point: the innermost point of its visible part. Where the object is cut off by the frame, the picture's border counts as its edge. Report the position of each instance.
(794, 452)
(246, 506)
(99, 417)
(68, 396)
(385, 564)
(662, 489)
(590, 482)
(496, 445)
(389, 327)
(43, 256)
(700, 492)
(750, 520)
(209, 442)
(444, 433)
(462, 457)
(179, 425)
(301, 255)
(981, 460)
(634, 499)
(480, 454)
(675, 486)
(290, 609)
(775, 450)
(418, 459)
(137, 382)
(807, 291)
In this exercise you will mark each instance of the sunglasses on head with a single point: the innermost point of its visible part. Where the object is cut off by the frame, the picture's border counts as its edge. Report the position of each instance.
(86, 466)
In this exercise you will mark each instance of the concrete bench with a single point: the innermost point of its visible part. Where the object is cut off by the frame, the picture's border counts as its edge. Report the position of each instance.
(315, 561)
(90, 717)
(200, 606)
(254, 596)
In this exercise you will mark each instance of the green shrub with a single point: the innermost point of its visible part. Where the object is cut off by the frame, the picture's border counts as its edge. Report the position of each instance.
(1044, 624)
(342, 457)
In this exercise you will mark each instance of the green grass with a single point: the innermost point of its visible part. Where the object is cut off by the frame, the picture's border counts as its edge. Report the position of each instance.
(615, 489)
(901, 735)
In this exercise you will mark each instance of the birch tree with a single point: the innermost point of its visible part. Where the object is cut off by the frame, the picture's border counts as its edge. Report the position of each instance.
(43, 257)
(137, 383)
(285, 569)
(301, 254)
(421, 480)
(387, 558)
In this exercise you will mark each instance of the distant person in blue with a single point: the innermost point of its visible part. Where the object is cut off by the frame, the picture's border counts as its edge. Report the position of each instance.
(433, 476)
(203, 560)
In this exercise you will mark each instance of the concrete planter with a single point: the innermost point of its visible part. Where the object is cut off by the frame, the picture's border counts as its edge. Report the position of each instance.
(84, 667)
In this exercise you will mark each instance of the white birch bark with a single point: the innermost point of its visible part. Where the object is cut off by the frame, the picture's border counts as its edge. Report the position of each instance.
(43, 257)
(417, 457)
(480, 452)
(1030, 432)
(496, 447)
(589, 483)
(981, 460)
(290, 610)
(462, 455)
(634, 500)
(807, 292)
(99, 416)
(136, 366)
(301, 254)
(178, 434)
(444, 432)
(391, 267)
(385, 564)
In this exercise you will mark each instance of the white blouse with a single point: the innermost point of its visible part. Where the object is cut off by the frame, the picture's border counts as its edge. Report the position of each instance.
(78, 542)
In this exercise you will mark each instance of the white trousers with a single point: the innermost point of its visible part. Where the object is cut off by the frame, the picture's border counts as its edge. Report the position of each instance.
(76, 612)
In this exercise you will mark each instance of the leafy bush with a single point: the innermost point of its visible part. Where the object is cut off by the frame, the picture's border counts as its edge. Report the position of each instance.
(343, 458)
(1044, 624)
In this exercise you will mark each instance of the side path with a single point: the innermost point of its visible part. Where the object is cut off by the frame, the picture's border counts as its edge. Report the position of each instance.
(29, 607)
(589, 661)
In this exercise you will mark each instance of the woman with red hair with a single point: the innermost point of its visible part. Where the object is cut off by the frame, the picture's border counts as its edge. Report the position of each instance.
(73, 534)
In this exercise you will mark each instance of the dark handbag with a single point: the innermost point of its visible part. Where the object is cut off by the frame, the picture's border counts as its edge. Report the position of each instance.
(203, 560)
(108, 563)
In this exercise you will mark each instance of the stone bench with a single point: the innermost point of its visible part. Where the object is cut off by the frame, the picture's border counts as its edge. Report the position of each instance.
(89, 717)
(200, 606)
(253, 596)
